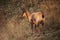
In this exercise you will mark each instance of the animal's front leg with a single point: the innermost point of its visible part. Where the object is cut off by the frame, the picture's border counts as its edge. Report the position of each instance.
(31, 26)
(35, 28)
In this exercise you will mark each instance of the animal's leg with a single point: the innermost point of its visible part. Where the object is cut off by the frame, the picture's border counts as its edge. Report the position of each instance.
(42, 23)
(35, 28)
(38, 29)
(32, 26)
(43, 27)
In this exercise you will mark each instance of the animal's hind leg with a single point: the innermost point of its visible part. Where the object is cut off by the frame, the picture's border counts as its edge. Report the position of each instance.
(42, 27)
(38, 29)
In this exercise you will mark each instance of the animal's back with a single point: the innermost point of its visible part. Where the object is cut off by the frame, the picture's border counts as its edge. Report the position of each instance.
(37, 16)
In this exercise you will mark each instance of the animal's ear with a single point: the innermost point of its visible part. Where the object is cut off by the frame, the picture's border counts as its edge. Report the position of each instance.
(23, 10)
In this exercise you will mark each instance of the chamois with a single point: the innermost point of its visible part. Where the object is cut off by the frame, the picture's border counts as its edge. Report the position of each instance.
(35, 18)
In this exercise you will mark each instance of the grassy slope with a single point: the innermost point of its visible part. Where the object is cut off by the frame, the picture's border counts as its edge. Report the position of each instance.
(12, 27)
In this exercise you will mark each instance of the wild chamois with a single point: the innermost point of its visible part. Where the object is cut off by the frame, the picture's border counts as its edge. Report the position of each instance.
(35, 18)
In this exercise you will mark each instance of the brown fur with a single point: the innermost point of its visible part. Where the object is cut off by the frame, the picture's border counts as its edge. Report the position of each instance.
(35, 18)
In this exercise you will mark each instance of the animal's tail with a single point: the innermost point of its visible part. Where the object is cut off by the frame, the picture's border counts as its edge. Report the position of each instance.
(42, 14)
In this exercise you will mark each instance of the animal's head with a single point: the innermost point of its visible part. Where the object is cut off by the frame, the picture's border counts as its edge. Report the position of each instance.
(24, 14)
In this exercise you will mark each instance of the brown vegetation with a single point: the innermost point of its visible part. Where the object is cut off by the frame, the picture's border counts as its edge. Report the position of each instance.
(13, 27)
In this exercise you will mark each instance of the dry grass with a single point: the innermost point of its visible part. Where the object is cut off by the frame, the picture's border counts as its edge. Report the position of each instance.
(13, 27)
